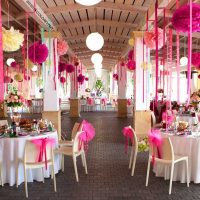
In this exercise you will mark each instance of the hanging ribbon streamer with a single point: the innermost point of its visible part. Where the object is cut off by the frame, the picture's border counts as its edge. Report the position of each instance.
(163, 51)
(55, 62)
(43, 64)
(156, 33)
(49, 60)
(143, 69)
(1, 59)
(189, 56)
(170, 65)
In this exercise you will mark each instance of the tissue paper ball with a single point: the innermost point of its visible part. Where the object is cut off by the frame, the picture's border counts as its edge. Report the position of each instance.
(18, 77)
(62, 47)
(70, 68)
(131, 65)
(80, 78)
(196, 59)
(62, 79)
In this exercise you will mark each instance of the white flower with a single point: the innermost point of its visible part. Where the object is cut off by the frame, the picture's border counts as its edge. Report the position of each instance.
(16, 97)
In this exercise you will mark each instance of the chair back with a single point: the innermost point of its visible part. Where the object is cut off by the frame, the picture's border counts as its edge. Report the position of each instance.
(135, 139)
(77, 127)
(32, 151)
(153, 119)
(3, 122)
(77, 147)
(165, 151)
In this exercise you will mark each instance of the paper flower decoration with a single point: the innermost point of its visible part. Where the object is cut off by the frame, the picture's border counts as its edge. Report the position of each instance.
(181, 18)
(131, 65)
(62, 47)
(196, 59)
(27, 77)
(115, 76)
(62, 79)
(131, 42)
(86, 78)
(12, 39)
(150, 39)
(81, 79)
(8, 79)
(62, 67)
(199, 76)
(41, 52)
(70, 68)
(18, 77)
(146, 65)
(13, 64)
(130, 54)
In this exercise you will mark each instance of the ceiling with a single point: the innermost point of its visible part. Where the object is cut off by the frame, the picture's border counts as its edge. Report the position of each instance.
(114, 19)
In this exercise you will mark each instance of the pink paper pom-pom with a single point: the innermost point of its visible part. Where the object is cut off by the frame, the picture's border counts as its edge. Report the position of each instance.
(8, 79)
(115, 77)
(62, 47)
(196, 59)
(130, 54)
(131, 65)
(81, 79)
(150, 39)
(13, 64)
(70, 68)
(62, 67)
(181, 18)
(86, 78)
(62, 79)
(41, 52)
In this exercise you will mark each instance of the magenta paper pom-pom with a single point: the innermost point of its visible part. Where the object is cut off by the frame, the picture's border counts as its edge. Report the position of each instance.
(181, 18)
(131, 65)
(150, 39)
(76, 63)
(8, 79)
(62, 79)
(62, 47)
(196, 59)
(70, 68)
(130, 54)
(115, 76)
(13, 64)
(80, 78)
(41, 52)
(62, 67)
(86, 78)
(199, 76)
(27, 77)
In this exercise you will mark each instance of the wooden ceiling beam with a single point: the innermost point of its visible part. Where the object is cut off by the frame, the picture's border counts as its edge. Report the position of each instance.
(86, 50)
(104, 5)
(98, 22)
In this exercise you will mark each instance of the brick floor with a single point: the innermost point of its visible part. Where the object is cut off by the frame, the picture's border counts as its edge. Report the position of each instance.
(108, 175)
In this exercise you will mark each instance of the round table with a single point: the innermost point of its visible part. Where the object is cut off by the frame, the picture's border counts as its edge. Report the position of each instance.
(184, 146)
(13, 150)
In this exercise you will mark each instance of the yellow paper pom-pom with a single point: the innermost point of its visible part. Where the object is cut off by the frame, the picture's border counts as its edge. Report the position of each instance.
(28, 64)
(12, 39)
(18, 77)
(146, 65)
(131, 42)
(132, 34)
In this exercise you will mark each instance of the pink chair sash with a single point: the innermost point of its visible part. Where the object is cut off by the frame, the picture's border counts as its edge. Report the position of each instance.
(168, 118)
(128, 133)
(41, 145)
(90, 101)
(103, 101)
(155, 140)
(129, 102)
(87, 134)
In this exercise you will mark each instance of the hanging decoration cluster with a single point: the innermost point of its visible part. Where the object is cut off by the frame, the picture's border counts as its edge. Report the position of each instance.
(62, 47)
(12, 39)
(131, 65)
(196, 59)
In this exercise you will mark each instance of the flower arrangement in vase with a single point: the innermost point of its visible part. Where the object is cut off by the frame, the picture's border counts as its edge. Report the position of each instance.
(14, 99)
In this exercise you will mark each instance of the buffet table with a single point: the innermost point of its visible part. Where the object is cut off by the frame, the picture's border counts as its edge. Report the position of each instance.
(13, 149)
(184, 145)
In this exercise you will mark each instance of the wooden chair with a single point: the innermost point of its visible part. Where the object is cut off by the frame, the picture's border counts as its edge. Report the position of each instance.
(74, 151)
(168, 158)
(29, 162)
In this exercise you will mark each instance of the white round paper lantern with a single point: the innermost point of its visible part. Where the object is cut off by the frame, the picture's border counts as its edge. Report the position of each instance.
(184, 61)
(98, 72)
(94, 41)
(98, 66)
(96, 58)
(34, 68)
(9, 61)
(88, 2)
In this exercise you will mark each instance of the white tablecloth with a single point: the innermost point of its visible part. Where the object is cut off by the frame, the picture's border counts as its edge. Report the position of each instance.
(13, 149)
(184, 146)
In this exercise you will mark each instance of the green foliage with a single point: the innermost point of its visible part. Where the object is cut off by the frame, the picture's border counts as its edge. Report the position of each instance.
(143, 145)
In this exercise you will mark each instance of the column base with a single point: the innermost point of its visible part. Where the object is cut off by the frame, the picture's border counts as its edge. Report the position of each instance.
(55, 118)
(142, 123)
(74, 108)
(122, 108)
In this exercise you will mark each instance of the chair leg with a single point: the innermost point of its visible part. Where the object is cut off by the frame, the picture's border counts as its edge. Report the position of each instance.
(42, 175)
(171, 178)
(131, 157)
(63, 163)
(187, 172)
(54, 177)
(75, 168)
(85, 164)
(134, 162)
(148, 169)
(1, 174)
(17, 168)
(25, 182)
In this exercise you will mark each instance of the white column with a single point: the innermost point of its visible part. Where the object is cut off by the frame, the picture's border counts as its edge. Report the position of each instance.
(122, 82)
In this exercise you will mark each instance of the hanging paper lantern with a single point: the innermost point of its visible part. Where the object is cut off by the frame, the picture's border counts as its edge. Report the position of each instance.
(12, 39)
(181, 18)
(62, 67)
(196, 59)
(199, 76)
(146, 65)
(41, 52)
(13, 64)
(86, 79)
(62, 47)
(150, 39)
(8, 79)
(70, 68)
(130, 54)
(62, 79)
(27, 77)
(81, 79)
(115, 77)
(131, 42)
(9, 61)
(131, 65)
(18, 77)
